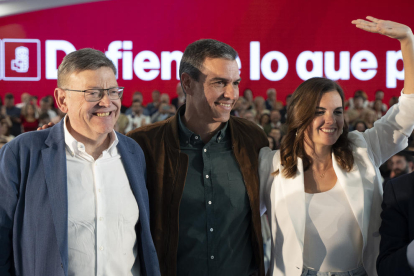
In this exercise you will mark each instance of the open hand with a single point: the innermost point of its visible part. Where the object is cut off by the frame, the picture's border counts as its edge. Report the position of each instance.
(46, 126)
(384, 27)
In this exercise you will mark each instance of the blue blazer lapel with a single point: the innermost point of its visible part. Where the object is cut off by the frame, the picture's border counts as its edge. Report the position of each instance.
(136, 173)
(54, 163)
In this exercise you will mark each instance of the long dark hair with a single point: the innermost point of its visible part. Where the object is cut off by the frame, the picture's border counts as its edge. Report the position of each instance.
(300, 115)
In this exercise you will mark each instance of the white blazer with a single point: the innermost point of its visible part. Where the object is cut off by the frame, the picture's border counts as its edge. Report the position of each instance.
(285, 198)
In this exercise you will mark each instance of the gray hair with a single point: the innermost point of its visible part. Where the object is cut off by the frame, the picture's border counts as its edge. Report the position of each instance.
(81, 60)
(195, 54)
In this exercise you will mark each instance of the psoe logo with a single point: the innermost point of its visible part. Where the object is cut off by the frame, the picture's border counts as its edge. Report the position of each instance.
(20, 59)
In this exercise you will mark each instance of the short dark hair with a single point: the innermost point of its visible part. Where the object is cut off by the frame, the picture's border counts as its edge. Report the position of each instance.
(81, 60)
(136, 101)
(9, 96)
(408, 155)
(195, 54)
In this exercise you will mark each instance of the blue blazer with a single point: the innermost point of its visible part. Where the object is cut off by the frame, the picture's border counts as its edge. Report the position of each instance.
(34, 204)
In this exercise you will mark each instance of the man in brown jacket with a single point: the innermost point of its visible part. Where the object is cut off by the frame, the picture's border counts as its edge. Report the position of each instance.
(202, 173)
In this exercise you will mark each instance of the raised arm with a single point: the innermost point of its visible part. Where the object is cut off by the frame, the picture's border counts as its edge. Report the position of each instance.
(398, 31)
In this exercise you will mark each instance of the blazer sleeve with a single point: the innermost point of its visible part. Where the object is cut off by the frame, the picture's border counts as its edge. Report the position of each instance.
(390, 133)
(9, 179)
(266, 168)
(392, 259)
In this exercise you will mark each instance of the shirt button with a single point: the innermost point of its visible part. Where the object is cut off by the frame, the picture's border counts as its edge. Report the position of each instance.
(99, 190)
(101, 248)
(212, 257)
(205, 150)
(207, 176)
(101, 218)
(196, 137)
(219, 138)
(211, 229)
(209, 202)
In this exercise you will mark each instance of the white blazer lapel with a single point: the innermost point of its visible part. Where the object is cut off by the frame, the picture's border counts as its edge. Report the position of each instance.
(294, 194)
(352, 184)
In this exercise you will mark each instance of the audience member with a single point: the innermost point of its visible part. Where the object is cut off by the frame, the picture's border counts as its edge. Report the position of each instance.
(360, 126)
(264, 122)
(14, 113)
(356, 111)
(283, 111)
(180, 99)
(369, 117)
(122, 123)
(272, 143)
(137, 96)
(165, 109)
(5, 125)
(379, 96)
(378, 109)
(275, 119)
(248, 115)
(137, 118)
(45, 107)
(153, 106)
(28, 118)
(25, 99)
(271, 101)
(248, 95)
(277, 135)
(401, 163)
(44, 119)
(393, 101)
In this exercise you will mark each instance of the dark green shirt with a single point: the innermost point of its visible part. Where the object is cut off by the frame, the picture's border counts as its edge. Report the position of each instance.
(215, 215)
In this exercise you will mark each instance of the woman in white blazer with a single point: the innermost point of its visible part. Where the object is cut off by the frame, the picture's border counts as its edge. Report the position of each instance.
(322, 190)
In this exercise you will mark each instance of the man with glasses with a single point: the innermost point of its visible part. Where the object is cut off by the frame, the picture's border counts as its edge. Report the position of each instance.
(73, 198)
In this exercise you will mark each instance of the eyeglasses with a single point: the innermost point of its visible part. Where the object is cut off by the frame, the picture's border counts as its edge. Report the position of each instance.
(94, 95)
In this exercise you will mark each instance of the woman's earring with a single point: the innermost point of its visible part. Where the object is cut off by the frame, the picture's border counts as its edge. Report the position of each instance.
(342, 131)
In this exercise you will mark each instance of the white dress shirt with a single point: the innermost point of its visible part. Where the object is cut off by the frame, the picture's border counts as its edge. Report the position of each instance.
(102, 212)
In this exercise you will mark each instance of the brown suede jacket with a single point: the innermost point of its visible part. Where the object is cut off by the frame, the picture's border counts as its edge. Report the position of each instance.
(166, 174)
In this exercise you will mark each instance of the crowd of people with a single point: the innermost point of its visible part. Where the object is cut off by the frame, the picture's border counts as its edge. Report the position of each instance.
(270, 114)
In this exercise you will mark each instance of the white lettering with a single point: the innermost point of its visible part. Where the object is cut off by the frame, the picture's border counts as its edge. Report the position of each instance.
(114, 54)
(282, 69)
(316, 58)
(52, 46)
(393, 74)
(358, 64)
(127, 60)
(343, 73)
(166, 59)
(146, 60)
(255, 60)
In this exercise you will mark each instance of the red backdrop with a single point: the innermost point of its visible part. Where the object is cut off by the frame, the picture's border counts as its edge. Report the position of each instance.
(284, 29)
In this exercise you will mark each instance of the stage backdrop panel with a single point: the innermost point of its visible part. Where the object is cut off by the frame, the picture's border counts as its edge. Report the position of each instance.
(280, 43)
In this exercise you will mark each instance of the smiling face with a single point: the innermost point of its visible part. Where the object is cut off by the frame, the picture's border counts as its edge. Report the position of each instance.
(92, 120)
(217, 90)
(328, 123)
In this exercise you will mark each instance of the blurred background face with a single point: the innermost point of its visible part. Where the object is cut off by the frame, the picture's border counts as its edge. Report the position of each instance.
(276, 134)
(358, 102)
(165, 98)
(360, 127)
(136, 107)
(399, 166)
(155, 96)
(9, 102)
(248, 95)
(271, 145)
(275, 116)
(30, 110)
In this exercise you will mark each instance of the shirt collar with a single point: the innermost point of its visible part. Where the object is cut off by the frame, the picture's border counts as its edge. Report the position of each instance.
(187, 136)
(74, 147)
